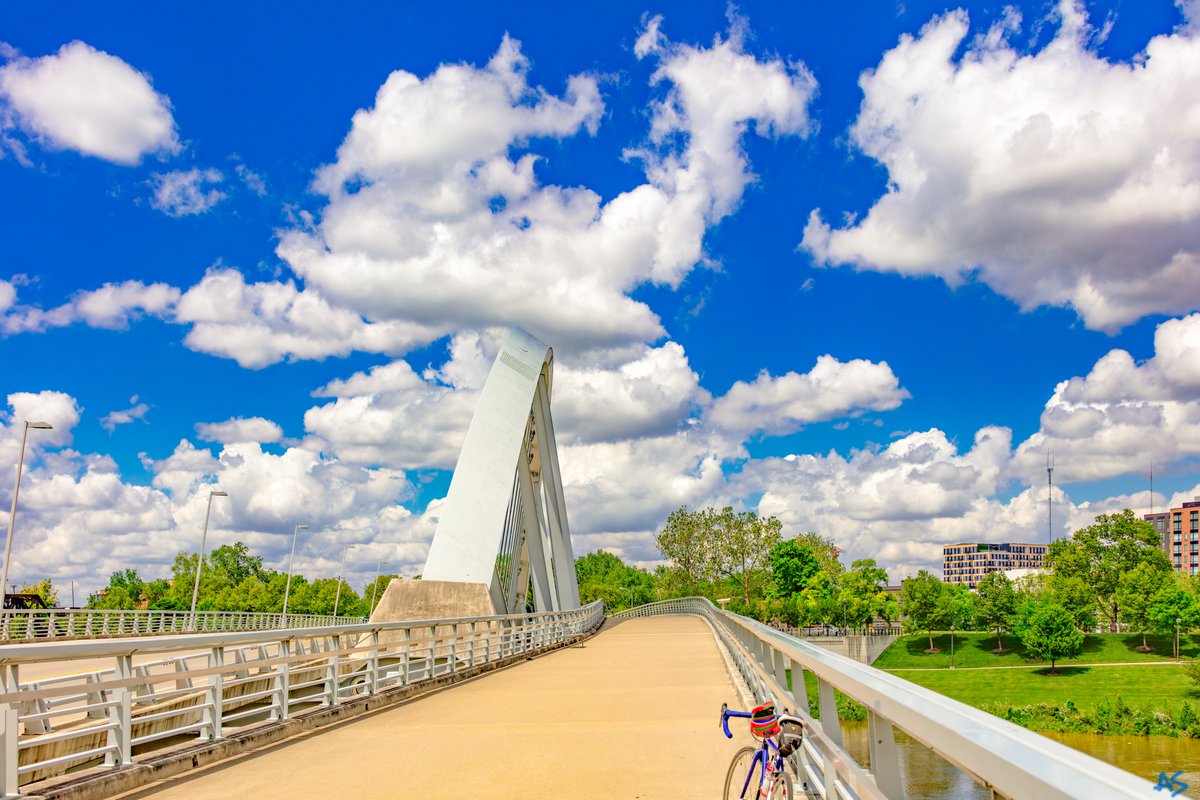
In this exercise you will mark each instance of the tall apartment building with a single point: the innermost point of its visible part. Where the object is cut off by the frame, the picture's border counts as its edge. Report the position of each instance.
(1182, 541)
(967, 563)
(1161, 520)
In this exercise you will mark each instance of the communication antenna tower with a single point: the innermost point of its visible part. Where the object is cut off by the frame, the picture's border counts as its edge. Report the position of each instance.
(1050, 496)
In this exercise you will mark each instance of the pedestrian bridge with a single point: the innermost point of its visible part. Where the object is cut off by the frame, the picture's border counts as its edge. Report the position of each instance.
(511, 706)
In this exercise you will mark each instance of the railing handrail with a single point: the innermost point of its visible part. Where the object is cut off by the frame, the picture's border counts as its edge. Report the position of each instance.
(30, 652)
(40, 624)
(1014, 761)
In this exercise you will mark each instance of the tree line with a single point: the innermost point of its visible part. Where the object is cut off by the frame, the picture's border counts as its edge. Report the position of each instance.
(232, 579)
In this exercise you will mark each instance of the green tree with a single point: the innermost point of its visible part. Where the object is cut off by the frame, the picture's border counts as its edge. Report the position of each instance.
(1076, 597)
(923, 606)
(863, 594)
(996, 604)
(112, 598)
(1136, 591)
(685, 540)
(235, 563)
(819, 604)
(792, 564)
(1104, 551)
(43, 589)
(825, 551)
(1175, 605)
(741, 544)
(1051, 634)
(603, 576)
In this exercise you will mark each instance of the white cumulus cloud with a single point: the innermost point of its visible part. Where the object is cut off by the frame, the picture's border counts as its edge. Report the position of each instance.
(786, 403)
(240, 429)
(1057, 177)
(86, 100)
(184, 193)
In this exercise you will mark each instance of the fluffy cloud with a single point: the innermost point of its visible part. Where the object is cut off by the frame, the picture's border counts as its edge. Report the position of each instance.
(86, 100)
(436, 221)
(260, 323)
(785, 404)
(653, 394)
(112, 307)
(79, 520)
(1056, 177)
(240, 429)
(1122, 415)
(137, 410)
(187, 192)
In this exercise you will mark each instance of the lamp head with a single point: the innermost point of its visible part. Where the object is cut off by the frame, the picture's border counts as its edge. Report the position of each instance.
(301, 527)
(219, 494)
(46, 426)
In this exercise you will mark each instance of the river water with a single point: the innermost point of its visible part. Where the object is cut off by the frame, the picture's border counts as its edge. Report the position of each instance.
(927, 775)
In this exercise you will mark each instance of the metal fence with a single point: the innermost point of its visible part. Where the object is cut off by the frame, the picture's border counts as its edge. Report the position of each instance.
(1011, 761)
(206, 685)
(57, 623)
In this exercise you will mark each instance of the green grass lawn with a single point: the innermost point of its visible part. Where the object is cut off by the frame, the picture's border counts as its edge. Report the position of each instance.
(975, 650)
(1159, 686)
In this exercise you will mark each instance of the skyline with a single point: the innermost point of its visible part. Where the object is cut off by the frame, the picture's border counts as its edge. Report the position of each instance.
(863, 282)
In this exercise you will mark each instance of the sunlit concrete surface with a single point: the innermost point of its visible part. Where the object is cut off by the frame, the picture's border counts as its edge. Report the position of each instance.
(630, 713)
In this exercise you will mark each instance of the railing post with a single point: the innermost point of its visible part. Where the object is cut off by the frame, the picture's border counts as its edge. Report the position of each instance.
(405, 645)
(332, 666)
(827, 702)
(432, 666)
(471, 649)
(215, 708)
(120, 717)
(9, 752)
(373, 664)
(885, 757)
(283, 682)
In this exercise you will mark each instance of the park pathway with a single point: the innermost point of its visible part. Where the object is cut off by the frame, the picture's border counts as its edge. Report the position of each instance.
(629, 713)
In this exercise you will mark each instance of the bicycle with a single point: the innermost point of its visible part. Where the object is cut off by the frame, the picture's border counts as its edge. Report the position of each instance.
(774, 782)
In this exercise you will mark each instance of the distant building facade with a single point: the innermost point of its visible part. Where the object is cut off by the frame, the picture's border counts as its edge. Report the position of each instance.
(1181, 539)
(967, 563)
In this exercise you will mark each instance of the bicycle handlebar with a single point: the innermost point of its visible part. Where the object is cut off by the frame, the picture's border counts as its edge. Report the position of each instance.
(726, 714)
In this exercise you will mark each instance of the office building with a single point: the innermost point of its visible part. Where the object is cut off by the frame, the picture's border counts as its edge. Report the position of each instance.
(967, 563)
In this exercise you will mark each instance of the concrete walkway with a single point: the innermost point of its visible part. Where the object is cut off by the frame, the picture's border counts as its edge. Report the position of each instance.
(630, 713)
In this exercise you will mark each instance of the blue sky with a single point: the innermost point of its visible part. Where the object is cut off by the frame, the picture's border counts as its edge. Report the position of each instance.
(829, 261)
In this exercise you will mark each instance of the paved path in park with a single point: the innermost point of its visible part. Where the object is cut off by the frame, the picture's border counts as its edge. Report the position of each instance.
(629, 713)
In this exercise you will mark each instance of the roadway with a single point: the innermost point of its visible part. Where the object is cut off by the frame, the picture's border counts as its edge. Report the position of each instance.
(630, 713)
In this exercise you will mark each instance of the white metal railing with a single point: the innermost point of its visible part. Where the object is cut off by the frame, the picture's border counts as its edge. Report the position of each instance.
(208, 684)
(1012, 761)
(25, 624)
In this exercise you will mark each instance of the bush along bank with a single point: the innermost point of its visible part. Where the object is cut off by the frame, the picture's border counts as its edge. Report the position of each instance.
(1107, 717)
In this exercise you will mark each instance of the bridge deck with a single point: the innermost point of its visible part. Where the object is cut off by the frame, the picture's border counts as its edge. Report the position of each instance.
(630, 713)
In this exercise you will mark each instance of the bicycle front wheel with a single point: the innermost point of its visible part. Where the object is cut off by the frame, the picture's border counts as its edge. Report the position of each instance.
(744, 776)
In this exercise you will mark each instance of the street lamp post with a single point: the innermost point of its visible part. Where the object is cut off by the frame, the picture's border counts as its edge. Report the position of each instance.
(291, 561)
(341, 570)
(952, 628)
(12, 514)
(375, 585)
(1177, 650)
(200, 563)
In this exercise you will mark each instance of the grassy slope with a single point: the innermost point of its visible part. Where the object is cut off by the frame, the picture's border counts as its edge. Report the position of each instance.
(974, 650)
(1160, 686)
